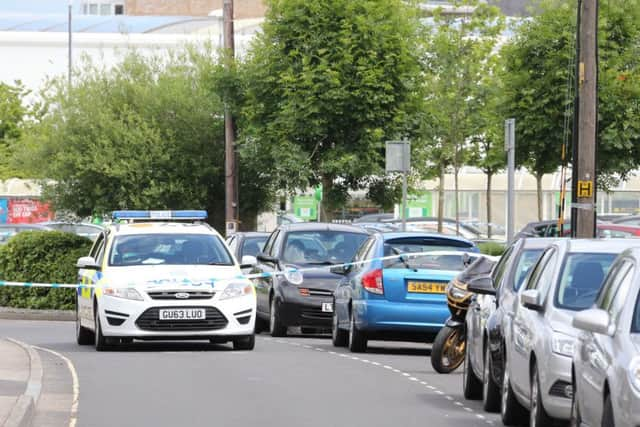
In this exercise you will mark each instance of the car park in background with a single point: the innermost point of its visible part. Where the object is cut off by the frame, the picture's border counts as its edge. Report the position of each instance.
(606, 358)
(9, 230)
(289, 298)
(377, 217)
(539, 348)
(487, 319)
(612, 231)
(401, 298)
(88, 230)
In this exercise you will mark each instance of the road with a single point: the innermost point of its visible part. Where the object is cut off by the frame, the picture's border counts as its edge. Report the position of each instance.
(293, 381)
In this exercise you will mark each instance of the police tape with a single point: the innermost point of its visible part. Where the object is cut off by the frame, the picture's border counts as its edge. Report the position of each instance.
(292, 273)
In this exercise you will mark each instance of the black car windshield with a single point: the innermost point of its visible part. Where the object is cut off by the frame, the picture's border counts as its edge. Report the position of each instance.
(581, 279)
(437, 261)
(527, 258)
(321, 247)
(174, 249)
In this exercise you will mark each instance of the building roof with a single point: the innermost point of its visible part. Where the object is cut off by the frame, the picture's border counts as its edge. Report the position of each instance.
(103, 24)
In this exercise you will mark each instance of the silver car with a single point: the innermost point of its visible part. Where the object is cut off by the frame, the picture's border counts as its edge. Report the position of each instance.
(566, 279)
(606, 361)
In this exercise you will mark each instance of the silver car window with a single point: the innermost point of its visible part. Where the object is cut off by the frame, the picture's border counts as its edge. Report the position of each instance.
(581, 279)
(540, 274)
(526, 260)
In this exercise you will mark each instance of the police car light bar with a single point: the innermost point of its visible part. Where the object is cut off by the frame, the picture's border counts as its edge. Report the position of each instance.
(194, 215)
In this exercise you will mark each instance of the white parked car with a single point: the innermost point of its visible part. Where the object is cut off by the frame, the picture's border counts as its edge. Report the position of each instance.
(606, 360)
(163, 275)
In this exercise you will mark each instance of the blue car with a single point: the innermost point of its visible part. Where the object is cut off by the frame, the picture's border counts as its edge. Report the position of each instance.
(400, 297)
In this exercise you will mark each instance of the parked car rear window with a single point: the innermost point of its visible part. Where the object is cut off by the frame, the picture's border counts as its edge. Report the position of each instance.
(253, 245)
(581, 279)
(448, 262)
(321, 247)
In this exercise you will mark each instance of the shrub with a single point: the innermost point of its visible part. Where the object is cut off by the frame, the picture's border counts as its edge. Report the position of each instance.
(41, 257)
(492, 248)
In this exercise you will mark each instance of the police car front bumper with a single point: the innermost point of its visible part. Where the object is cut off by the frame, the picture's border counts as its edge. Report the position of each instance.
(231, 317)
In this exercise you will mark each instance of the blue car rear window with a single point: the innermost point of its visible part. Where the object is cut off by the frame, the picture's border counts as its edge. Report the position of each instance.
(436, 261)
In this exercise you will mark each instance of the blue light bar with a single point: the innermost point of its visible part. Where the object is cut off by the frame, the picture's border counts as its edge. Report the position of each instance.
(194, 215)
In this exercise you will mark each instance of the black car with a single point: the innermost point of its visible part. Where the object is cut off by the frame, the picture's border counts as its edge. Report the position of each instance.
(247, 243)
(490, 315)
(302, 298)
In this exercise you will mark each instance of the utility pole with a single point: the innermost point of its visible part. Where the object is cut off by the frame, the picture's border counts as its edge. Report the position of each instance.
(230, 157)
(70, 64)
(585, 181)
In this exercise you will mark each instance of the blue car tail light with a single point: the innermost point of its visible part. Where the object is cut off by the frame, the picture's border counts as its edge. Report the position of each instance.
(372, 282)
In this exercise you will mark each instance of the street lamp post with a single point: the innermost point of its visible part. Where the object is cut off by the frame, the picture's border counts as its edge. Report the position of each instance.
(70, 64)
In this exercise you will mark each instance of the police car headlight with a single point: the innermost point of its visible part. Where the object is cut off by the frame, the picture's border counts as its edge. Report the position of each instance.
(234, 290)
(126, 293)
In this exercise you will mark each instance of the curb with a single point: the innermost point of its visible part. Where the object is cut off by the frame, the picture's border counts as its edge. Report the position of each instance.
(10, 313)
(23, 411)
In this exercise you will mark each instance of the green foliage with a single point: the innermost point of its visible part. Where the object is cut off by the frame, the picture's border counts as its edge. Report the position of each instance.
(328, 82)
(41, 257)
(12, 114)
(538, 77)
(492, 248)
(147, 133)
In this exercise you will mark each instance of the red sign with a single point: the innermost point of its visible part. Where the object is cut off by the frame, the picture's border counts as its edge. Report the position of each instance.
(28, 211)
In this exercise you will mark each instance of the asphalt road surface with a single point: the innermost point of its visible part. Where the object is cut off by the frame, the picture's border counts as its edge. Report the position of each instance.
(293, 381)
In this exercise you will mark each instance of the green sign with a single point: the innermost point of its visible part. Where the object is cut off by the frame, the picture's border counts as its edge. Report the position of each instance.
(305, 207)
(419, 204)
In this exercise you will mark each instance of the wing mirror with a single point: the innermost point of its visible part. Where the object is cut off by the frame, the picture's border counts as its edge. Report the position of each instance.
(342, 270)
(482, 285)
(248, 261)
(594, 320)
(531, 299)
(88, 262)
(262, 257)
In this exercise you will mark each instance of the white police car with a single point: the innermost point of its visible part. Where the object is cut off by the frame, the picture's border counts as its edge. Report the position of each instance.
(163, 275)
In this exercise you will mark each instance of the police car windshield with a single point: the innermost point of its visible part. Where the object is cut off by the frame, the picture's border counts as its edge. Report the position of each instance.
(168, 249)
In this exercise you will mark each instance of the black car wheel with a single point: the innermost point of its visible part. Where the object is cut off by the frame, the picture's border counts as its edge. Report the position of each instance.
(490, 390)
(357, 338)
(339, 337)
(511, 410)
(84, 336)
(471, 385)
(245, 343)
(607, 413)
(537, 415)
(276, 328)
(100, 340)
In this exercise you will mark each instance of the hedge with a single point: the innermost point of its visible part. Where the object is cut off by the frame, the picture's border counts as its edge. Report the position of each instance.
(41, 257)
(492, 248)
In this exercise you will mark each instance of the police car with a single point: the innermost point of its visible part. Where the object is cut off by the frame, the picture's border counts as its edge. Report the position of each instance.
(162, 275)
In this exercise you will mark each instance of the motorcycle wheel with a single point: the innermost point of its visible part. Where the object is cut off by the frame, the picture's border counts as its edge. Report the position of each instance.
(448, 350)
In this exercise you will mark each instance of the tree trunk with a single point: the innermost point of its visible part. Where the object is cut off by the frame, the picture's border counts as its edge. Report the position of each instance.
(539, 195)
(326, 210)
(457, 202)
(441, 200)
(489, 231)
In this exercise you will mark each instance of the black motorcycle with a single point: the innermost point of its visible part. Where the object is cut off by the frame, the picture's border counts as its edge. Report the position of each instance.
(448, 350)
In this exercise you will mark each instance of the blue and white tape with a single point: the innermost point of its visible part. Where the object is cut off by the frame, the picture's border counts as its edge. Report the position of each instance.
(290, 271)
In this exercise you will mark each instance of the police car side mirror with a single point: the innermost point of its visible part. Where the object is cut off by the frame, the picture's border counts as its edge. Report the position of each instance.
(88, 262)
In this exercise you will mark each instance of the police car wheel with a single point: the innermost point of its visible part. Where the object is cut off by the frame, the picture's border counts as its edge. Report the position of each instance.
(100, 340)
(244, 343)
(84, 336)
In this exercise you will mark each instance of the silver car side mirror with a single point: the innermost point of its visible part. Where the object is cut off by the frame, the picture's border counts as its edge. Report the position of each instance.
(531, 299)
(594, 320)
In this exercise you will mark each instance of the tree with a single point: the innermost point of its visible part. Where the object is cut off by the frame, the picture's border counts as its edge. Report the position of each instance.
(456, 61)
(328, 82)
(12, 115)
(538, 82)
(144, 134)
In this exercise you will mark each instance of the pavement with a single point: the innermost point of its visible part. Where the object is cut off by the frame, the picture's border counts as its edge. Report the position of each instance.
(20, 383)
(12, 313)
